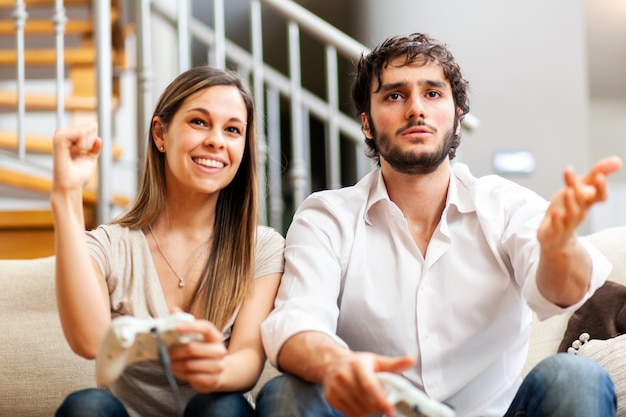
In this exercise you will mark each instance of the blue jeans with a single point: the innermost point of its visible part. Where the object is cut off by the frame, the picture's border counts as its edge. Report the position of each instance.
(562, 385)
(94, 402)
(565, 385)
(91, 402)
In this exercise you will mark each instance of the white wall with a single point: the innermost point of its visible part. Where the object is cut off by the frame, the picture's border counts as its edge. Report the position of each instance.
(608, 137)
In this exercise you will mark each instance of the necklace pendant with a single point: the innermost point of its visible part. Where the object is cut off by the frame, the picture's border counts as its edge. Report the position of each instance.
(181, 283)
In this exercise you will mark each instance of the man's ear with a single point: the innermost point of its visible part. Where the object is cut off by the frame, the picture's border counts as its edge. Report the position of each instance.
(458, 122)
(365, 126)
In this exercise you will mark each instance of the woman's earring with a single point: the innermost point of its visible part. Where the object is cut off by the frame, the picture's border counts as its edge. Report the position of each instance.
(161, 148)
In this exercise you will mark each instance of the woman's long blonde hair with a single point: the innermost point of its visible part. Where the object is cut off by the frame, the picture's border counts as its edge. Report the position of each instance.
(229, 271)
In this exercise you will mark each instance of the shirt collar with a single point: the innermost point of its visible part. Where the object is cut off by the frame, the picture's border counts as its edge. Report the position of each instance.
(459, 193)
(377, 191)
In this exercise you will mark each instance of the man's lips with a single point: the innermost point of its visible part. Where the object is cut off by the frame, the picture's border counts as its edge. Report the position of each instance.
(416, 131)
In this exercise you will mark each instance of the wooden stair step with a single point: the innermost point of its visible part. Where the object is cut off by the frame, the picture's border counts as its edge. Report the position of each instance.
(26, 234)
(46, 27)
(47, 56)
(25, 219)
(40, 3)
(42, 101)
(37, 143)
(43, 185)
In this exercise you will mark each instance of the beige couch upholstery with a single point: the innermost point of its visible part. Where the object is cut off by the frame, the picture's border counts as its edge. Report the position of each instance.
(38, 369)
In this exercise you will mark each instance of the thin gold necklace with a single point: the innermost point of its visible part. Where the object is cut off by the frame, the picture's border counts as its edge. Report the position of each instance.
(181, 279)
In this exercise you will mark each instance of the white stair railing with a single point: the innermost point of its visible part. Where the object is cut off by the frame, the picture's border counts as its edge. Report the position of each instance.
(270, 86)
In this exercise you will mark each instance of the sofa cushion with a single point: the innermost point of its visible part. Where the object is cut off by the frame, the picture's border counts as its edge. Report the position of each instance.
(611, 354)
(603, 316)
(38, 367)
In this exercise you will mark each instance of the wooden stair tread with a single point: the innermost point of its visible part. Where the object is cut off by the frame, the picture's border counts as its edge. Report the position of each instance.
(44, 185)
(40, 3)
(37, 143)
(47, 56)
(43, 101)
(18, 219)
(46, 27)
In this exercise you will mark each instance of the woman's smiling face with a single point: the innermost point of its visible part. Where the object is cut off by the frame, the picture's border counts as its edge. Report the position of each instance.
(205, 141)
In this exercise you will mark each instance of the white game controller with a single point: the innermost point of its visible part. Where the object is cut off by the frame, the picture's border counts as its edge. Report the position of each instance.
(130, 340)
(409, 400)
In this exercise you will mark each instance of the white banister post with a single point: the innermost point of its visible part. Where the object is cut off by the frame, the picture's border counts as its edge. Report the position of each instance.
(102, 16)
(20, 15)
(259, 89)
(59, 19)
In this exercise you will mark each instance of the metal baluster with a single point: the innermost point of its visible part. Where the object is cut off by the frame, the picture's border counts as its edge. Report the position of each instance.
(183, 35)
(59, 19)
(332, 126)
(276, 204)
(145, 75)
(20, 15)
(297, 173)
(257, 74)
(220, 36)
(102, 16)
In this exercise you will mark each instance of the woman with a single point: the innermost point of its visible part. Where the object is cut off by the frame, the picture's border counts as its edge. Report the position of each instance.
(190, 241)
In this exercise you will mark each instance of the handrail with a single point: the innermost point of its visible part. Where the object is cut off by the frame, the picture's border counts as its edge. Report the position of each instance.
(303, 103)
(204, 35)
(317, 27)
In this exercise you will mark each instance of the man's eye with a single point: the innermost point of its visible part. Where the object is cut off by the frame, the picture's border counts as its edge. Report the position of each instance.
(434, 94)
(394, 96)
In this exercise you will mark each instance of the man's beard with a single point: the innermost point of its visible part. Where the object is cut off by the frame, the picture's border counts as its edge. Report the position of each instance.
(409, 162)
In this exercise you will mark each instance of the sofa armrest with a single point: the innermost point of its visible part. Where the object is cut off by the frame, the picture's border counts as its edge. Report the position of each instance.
(38, 368)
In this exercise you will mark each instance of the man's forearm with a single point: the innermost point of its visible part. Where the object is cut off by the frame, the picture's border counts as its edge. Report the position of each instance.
(308, 355)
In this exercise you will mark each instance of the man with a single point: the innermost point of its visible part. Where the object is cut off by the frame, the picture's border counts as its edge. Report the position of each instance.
(424, 270)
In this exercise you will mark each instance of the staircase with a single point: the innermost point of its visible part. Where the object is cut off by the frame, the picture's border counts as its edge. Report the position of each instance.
(26, 227)
(309, 140)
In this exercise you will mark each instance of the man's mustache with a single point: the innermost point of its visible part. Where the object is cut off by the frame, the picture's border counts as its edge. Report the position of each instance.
(415, 123)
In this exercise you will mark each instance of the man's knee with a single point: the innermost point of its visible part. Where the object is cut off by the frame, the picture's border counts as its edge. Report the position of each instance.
(287, 386)
(564, 368)
(288, 395)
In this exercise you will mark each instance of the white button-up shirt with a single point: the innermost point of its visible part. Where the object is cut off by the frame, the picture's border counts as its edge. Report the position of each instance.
(353, 272)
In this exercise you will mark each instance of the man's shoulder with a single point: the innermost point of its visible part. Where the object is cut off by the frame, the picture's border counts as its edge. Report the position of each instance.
(463, 174)
(489, 186)
(493, 195)
(351, 195)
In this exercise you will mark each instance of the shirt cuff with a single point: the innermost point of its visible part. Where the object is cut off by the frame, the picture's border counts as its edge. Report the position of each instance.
(280, 326)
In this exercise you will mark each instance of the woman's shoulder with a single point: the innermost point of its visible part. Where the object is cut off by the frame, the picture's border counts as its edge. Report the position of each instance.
(270, 247)
(115, 232)
(266, 235)
(113, 238)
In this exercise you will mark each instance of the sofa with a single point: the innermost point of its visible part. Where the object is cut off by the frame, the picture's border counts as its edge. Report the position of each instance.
(38, 369)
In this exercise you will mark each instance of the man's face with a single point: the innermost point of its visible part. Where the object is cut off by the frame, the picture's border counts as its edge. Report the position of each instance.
(412, 117)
